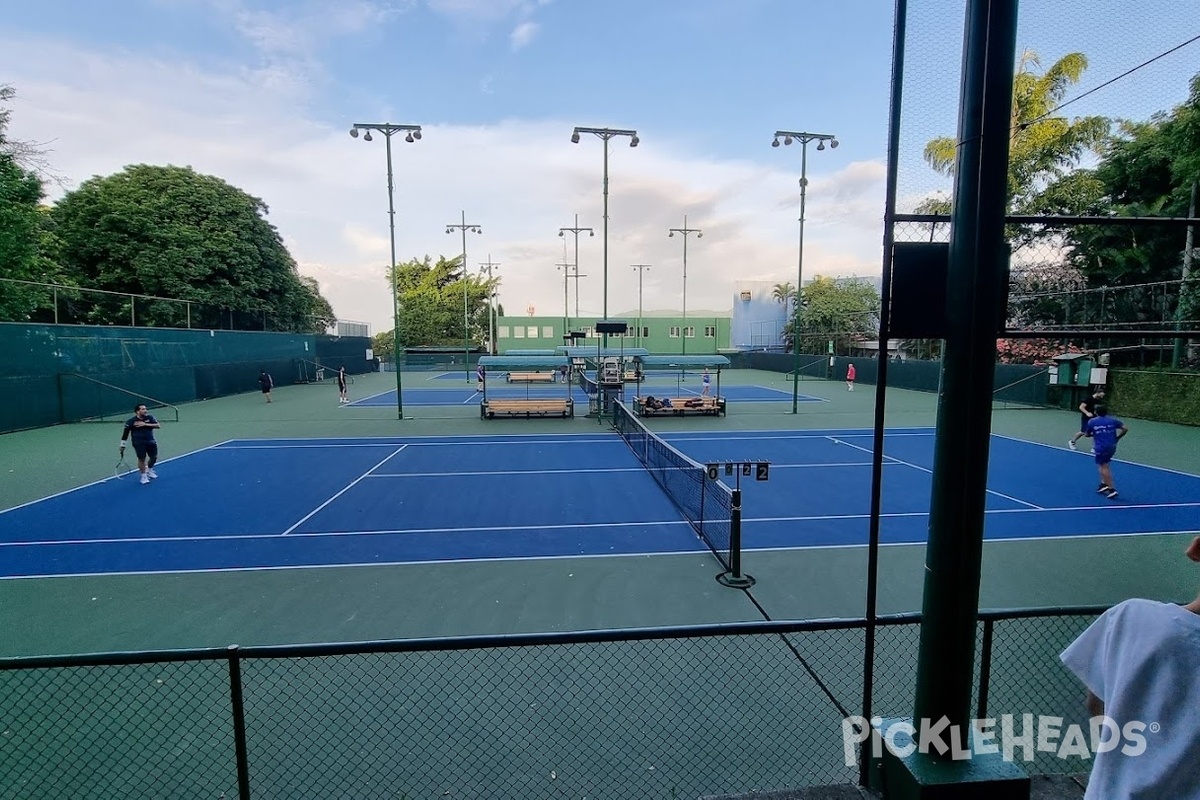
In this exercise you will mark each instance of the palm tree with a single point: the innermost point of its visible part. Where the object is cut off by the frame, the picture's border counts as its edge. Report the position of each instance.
(1043, 146)
(783, 293)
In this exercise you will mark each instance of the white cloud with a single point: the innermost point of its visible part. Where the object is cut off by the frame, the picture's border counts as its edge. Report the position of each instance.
(520, 180)
(523, 34)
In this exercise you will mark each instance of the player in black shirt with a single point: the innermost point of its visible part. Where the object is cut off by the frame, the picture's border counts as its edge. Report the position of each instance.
(140, 430)
(1087, 410)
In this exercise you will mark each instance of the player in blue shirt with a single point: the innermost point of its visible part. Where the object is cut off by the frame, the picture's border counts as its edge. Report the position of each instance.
(1104, 432)
(140, 430)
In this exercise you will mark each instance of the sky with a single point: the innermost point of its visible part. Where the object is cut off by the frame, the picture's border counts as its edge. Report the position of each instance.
(263, 93)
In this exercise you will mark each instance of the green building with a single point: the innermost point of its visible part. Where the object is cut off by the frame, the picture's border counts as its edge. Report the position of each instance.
(697, 335)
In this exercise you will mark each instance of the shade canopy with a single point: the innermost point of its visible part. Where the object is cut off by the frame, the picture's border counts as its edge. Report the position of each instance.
(524, 362)
(668, 362)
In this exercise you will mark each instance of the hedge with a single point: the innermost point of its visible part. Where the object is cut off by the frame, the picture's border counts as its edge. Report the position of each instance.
(1159, 395)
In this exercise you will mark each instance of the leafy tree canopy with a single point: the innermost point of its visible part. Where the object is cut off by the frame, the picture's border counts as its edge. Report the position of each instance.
(432, 296)
(1043, 145)
(172, 232)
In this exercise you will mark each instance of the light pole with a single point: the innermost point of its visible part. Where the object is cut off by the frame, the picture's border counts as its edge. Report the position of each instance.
(640, 269)
(566, 271)
(684, 231)
(605, 134)
(413, 133)
(473, 228)
(486, 268)
(804, 138)
(563, 232)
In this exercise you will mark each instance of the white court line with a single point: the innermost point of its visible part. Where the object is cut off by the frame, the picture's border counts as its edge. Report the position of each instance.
(342, 534)
(1065, 537)
(1115, 460)
(805, 433)
(573, 526)
(504, 472)
(345, 489)
(930, 472)
(591, 471)
(370, 397)
(111, 477)
(472, 397)
(701, 550)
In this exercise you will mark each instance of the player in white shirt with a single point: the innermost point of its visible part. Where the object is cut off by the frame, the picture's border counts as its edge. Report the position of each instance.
(1140, 662)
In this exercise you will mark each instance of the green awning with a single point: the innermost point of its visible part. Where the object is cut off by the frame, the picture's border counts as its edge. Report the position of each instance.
(676, 362)
(590, 352)
(523, 362)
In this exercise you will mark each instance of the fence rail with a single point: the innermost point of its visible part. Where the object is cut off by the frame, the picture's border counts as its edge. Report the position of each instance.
(642, 713)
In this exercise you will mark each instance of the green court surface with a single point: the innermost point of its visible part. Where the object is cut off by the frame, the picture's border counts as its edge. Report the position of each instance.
(97, 613)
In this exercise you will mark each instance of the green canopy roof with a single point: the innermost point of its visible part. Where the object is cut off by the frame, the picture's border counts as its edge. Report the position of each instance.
(530, 352)
(589, 352)
(667, 362)
(524, 362)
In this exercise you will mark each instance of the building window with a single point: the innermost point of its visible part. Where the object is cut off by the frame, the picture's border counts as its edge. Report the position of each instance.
(518, 332)
(674, 333)
(710, 331)
(547, 332)
(645, 333)
(689, 332)
(501, 331)
(532, 332)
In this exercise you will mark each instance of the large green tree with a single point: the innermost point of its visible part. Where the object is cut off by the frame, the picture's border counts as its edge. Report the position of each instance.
(1043, 144)
(1147, 169)
(28, 247)
(431, 297)
(832, 309)
(172, 232)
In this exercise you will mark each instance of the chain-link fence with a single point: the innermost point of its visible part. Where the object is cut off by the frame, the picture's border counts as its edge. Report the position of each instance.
(647, 713)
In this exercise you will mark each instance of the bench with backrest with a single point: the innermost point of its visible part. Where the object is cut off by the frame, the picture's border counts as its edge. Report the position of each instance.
(531, 377)
(527, 407)
(680, 406)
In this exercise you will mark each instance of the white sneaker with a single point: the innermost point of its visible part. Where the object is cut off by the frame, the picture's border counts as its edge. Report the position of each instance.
(152, 473)
(1071, 443)
(145, 478)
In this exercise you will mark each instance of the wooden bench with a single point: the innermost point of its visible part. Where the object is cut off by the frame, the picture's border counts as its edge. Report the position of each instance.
(531, 407)
(633, 376)
(712, 406)
(531, 377)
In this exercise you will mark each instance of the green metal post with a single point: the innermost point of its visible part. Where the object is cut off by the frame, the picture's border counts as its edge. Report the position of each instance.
(975, 287)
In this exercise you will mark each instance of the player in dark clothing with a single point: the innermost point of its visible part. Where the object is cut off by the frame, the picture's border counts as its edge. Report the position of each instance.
(140, 430)
(342, 396)
(266, 384)
(1105, 431)
(1087, 410)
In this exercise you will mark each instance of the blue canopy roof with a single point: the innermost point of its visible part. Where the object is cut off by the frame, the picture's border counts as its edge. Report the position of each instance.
(530, 352)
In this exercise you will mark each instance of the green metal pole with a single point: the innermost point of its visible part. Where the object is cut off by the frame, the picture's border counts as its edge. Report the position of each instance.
(799, 279)
(395, 289)
(1185, 296)
(975, 287)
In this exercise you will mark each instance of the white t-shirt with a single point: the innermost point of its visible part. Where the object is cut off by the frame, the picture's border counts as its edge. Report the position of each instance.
(1142, 659)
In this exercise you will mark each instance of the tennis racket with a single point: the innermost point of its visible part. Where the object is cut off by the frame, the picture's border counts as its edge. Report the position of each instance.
(122, 466)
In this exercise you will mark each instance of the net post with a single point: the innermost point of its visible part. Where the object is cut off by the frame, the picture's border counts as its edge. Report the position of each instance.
(734, 578)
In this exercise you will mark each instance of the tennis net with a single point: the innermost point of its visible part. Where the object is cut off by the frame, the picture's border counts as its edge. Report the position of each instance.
(708, 505)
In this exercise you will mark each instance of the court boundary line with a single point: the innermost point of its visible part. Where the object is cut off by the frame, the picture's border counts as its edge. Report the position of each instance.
(1080, 452)
(701, 551)
(111, 478)
(587, 525)
(1056, 537)
(223, 537)
(344, 489)
(930, 472)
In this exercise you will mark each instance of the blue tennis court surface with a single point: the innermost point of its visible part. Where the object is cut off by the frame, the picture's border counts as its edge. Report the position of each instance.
(261, 504)
(466, 396)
